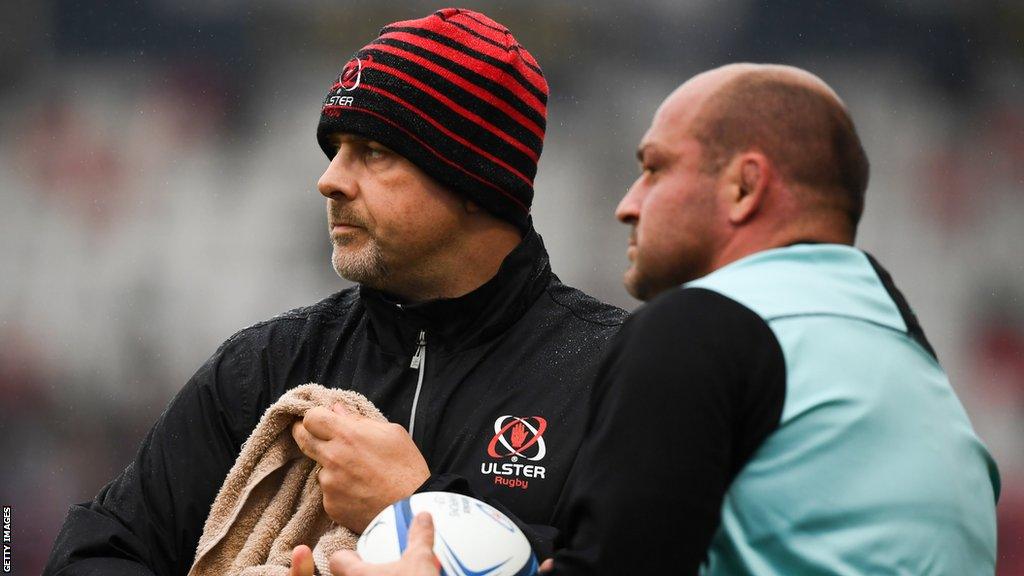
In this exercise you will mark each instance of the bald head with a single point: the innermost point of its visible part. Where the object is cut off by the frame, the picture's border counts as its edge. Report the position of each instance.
(791, 116)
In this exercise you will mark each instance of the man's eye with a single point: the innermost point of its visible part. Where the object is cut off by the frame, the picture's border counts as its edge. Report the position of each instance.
(374, 153)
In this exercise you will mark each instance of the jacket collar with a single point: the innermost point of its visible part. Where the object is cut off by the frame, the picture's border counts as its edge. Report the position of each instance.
(453, 324)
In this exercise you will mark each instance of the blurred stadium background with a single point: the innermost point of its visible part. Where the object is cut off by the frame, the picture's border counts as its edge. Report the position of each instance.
(158, 168)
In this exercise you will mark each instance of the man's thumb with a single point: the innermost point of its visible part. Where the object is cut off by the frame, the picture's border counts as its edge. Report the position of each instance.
(302, 561)
(421, 533)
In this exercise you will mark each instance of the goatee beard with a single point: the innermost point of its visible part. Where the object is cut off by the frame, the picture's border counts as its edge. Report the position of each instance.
(364, 266)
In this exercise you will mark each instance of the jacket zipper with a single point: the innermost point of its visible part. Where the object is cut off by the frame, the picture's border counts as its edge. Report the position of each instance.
(419, 360)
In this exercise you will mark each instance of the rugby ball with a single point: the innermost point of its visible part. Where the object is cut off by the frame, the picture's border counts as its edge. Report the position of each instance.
(471, 538)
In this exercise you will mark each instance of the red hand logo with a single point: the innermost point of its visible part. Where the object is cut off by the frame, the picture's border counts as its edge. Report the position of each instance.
(524, 433)
(518, 435)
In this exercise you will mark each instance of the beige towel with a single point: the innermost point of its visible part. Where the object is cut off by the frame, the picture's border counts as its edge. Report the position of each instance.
(271, 500)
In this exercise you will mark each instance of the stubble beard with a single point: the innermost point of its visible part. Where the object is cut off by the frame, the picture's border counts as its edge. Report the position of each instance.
(634, 279)
(363, 265)
(634, 283)
(645, 280)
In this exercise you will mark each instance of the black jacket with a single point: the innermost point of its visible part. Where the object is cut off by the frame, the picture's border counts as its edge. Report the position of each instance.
(515, 356)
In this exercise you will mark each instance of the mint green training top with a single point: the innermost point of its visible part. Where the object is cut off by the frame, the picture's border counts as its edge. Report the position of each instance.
(874, 467)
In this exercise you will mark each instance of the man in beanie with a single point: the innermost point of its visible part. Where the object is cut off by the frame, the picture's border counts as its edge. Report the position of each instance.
(457, 330)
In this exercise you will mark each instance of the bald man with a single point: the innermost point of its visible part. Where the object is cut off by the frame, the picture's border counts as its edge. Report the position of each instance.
(775, 408)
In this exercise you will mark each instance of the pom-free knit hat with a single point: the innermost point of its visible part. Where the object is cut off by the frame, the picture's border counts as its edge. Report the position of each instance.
(455, 94)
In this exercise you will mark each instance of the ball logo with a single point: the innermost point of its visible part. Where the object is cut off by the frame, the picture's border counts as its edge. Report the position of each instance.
(351, 76)
(518, 437)
(498, 517)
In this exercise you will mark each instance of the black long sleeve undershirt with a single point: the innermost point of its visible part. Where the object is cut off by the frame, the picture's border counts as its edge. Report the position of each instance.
(692, 385)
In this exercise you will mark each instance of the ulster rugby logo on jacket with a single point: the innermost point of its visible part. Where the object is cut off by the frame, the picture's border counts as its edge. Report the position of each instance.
(517, 443)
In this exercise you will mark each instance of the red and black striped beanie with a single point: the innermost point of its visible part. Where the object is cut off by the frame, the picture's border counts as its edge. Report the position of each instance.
(458, 96)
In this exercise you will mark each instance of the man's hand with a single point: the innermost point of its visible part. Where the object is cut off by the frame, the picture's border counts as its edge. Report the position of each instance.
(302, 561)
(366, 465)
(417, 560)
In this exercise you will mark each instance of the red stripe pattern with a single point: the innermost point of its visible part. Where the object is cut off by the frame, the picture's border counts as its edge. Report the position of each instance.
(457, 95)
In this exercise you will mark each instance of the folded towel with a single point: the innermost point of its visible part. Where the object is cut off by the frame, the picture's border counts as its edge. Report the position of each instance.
(271, 500)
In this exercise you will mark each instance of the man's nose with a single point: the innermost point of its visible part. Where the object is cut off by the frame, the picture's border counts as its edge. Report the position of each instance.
(628, 210)
(337, 180)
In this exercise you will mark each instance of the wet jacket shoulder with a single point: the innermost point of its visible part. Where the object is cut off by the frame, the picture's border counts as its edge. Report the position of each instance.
(505, 372)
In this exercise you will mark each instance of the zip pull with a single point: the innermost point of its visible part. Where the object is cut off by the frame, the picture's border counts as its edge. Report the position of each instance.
(419, 360)
(421, 351)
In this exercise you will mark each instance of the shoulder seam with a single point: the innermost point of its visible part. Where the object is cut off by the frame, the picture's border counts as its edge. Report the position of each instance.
(548, 292)
(301, 314)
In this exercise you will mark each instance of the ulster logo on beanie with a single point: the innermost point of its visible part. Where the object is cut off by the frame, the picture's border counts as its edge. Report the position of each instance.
(457, 95)
(350, 76)
(348, 81)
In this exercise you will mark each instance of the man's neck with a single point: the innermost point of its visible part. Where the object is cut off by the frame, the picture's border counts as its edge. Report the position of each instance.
(461, 271)
(820, 231)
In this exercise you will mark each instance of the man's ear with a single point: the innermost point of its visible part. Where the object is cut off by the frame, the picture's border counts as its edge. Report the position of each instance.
(750, 176)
